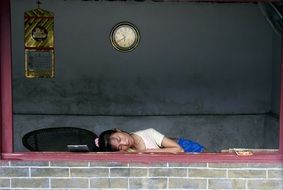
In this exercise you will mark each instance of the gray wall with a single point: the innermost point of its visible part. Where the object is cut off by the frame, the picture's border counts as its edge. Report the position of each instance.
(192, 59)
(276, 61)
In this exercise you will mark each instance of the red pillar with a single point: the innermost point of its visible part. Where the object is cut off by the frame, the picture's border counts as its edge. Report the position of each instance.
(281, 101)
(6, 145)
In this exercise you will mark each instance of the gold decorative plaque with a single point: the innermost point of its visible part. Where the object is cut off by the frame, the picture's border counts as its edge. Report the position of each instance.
(39, 44)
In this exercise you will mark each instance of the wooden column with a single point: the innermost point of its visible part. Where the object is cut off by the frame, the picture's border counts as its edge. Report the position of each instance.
(281, 101)
(6, 143)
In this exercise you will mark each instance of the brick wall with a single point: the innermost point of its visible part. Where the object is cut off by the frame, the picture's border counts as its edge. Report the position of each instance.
(96, 175)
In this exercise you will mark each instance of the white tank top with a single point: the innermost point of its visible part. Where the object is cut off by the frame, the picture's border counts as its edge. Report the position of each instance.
(152, 139)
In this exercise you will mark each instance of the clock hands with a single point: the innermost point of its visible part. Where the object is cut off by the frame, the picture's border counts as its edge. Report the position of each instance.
(124, 38)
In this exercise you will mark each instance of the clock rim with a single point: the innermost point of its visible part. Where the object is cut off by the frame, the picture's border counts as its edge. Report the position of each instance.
(116, 45)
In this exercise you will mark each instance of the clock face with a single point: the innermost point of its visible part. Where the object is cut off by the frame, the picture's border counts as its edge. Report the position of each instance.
(124, 36)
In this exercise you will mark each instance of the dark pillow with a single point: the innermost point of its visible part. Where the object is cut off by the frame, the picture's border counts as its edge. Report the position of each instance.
(57, 139)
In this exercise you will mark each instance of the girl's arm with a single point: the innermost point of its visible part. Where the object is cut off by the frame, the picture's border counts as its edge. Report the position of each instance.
(168, 145)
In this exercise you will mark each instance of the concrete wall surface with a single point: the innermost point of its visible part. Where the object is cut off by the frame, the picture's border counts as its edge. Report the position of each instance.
(193, 59)
(77, 175)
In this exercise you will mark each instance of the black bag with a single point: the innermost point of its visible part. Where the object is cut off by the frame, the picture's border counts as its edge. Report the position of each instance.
(58, 139)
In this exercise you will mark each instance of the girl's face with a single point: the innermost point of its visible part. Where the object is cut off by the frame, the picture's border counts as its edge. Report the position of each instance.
(121, 140)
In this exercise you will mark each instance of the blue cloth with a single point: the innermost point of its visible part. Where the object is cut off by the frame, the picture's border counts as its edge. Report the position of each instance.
(190, 146)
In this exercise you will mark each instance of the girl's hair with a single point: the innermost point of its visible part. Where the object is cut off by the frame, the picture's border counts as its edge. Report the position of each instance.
(104, 141)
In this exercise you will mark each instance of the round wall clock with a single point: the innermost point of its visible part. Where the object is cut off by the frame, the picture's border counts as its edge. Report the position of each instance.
(125, 36)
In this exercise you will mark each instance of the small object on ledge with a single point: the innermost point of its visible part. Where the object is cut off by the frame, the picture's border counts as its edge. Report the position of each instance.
(243, 152)
(248, 151)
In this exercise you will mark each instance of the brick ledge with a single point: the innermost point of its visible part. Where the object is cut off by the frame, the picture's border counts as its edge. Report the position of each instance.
(145, 157)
